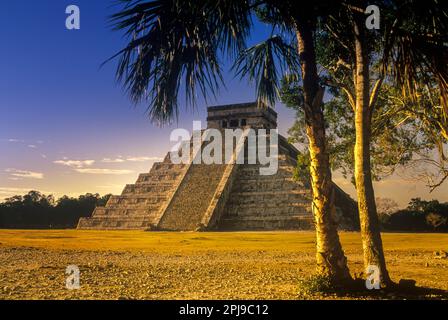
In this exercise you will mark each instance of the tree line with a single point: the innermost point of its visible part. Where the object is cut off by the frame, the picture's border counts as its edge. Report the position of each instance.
(419, 216)
(37, 210)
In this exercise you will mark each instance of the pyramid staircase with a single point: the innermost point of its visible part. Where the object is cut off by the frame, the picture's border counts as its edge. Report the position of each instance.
(193, 197)
(141, 204)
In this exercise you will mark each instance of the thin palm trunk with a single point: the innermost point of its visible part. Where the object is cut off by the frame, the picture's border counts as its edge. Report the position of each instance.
(331, 261)
(370, 230)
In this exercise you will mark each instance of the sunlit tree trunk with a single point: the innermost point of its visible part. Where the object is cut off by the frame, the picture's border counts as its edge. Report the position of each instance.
(370, 229)
(331, 260)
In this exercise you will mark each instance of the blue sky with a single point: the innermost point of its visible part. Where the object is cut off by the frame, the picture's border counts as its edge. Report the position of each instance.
(61, 112)
(59, 105)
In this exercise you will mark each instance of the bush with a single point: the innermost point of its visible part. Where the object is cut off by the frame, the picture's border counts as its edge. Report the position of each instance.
(315, 284)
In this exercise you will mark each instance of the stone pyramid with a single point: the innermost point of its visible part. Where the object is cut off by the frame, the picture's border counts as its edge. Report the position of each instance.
(196, 197)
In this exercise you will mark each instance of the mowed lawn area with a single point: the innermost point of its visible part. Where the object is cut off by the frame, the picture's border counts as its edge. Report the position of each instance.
(187, 265)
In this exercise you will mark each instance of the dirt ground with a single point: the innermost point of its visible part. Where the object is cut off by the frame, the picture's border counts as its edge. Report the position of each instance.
(221, 265)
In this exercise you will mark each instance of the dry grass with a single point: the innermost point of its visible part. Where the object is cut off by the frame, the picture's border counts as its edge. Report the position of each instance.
(221, 265)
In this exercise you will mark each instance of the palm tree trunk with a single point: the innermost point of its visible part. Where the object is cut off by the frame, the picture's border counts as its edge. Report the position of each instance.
(370, 230)
(331, 261)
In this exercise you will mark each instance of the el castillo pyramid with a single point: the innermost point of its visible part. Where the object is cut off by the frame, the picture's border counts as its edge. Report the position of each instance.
(196, 197)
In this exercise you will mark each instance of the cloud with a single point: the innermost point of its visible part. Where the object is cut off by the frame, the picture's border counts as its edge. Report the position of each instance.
(103, 171)
(84, 166)
(32, 143)
(110, 186)
(25, 174)
(32, 146)
(7, 192)
(141, 159)
(75, 163)
(109, 160)
(131, 159)
(80, 166)
(11, 191)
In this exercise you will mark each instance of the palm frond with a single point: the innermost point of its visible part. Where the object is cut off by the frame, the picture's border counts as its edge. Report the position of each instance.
(173, 43)
(265, 64)
(416, 48)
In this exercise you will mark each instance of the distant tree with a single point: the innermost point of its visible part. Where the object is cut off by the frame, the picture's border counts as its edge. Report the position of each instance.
(417, 204)
(12, 201)
(420, 215)
(407, 220)
(103, 200)
(36, 210)
(436, 220)
(386, 207)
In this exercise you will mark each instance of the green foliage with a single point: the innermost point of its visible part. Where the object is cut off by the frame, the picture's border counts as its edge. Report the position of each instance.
(435, 220)
(174, 42)
(302, 170)
(409, 117)
(432, 162)
(316, 285)
(36, 210)
(395, 137)
(177, 43)
(420, 215)
(265, 63)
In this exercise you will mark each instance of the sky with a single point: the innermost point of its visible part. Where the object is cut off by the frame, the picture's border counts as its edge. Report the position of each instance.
(67, 127)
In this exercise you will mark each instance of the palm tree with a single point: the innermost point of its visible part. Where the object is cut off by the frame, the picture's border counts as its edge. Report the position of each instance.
(174, 41)
(410, 52)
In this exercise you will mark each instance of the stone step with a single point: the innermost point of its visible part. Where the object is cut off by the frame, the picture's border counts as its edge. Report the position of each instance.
(167, 166)
(268, 223)
(137, 200)
(127, 223)
(270, 218)
(281, 163)
(266, 211)
(160, 174)
(139, 189)
(110, 212)
(139, 206)
(267, 201)
(254, 171)
(254, 166)
(248, 178)
(267, 186)
(190, 203)
(295, 194)
(148, 177)
(263, 201)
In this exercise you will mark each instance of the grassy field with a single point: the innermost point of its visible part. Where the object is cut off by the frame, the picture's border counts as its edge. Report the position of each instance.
(221, 265)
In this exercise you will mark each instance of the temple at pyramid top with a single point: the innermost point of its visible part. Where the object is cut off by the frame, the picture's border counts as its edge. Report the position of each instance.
(241, 115)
